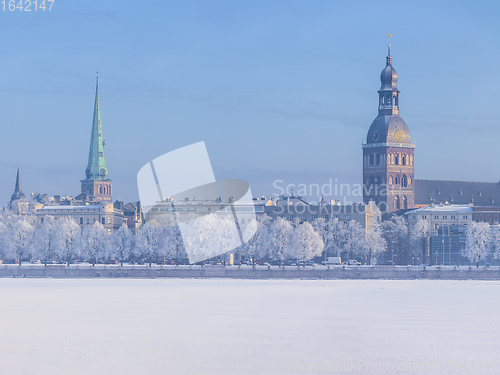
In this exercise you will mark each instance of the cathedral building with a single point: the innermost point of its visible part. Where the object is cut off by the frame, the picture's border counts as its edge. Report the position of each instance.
(388, 155)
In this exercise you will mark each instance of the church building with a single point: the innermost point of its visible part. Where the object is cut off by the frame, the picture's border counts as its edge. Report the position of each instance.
(388, 155)
(96, 187)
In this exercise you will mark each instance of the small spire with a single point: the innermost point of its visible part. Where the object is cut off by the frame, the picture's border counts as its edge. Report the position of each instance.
(18, 191)
(389, 58)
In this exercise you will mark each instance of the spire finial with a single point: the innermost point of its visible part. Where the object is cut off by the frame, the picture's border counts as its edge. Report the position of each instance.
(389, 58)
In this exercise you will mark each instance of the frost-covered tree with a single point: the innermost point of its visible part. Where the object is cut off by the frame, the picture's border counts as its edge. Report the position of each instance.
(69, 239)
(333, 233)
(354, 238)
(419, 238)
(494, 242)
(94, 242)
(259, 244)
(4, 231)
(395, 233)
(121, 244)
(476, 242)
(174, 247)
(20, 238)
(45, 243)
(305, 243)
(375, 243)
(280, 233)
(149, 242)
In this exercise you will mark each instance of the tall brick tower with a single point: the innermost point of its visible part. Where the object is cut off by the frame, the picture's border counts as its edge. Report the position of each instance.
(96, 184)
(388, 155)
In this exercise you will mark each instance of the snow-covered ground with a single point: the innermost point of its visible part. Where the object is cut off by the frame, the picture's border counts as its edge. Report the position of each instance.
(219, 326)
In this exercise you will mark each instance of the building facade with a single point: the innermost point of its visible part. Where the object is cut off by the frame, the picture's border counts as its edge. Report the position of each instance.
(388, 155)
(447, 233)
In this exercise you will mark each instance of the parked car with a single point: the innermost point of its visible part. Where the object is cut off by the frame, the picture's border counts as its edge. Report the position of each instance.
(353, 262)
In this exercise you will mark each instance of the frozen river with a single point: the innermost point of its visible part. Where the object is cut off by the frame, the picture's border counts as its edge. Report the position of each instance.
(224, 326)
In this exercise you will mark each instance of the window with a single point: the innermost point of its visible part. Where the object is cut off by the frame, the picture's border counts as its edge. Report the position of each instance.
(445, 217)
(88, 220)
(303, 217)
(109, 220)
(464, 217)
(290, 217)
(336, 216)
(103, 220)
(314, 217)
(348, 217)
(396, 160)
(390, 180)
(436, 217)
(94, 220)
(452, 217)
(42, 219)
(81, 221)
(424, 217)
(326, 217)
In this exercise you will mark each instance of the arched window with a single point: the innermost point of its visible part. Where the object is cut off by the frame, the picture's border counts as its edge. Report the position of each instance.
(393, 159)
(403, 160)
(397, 203)
(411, 159)
(390, 180)
(396, 160)
(382, 180)
(396, 180)
(371, 159)
(409, 180)
(405, 202)
(404, 181)
(100, 189)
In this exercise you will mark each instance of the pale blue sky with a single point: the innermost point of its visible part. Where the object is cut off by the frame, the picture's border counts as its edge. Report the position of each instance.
(277, 89)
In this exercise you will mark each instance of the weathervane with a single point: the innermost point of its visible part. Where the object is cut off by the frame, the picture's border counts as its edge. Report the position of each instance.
(389, 46)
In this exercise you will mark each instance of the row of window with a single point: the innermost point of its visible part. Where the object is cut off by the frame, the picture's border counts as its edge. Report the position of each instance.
(404, 181)
(87, 221)
(443, 217)
(386, 100)
(390, 159)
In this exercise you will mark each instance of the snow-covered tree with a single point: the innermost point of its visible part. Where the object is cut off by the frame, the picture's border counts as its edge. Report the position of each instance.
(333, 233)
(4, 240)
(121, 244)
(305, 243)
(258, 245)
(69, 239)
(94, 241)
(375, 243)
(494, 242)
(174, 246)
(149, 242)
(20, 238)
(419, 238)
(354, 238)
(280, 233)
(476, 242)
(395, 233)
(45, 243)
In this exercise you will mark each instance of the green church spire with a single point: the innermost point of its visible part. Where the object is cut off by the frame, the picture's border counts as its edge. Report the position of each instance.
(96, 168)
